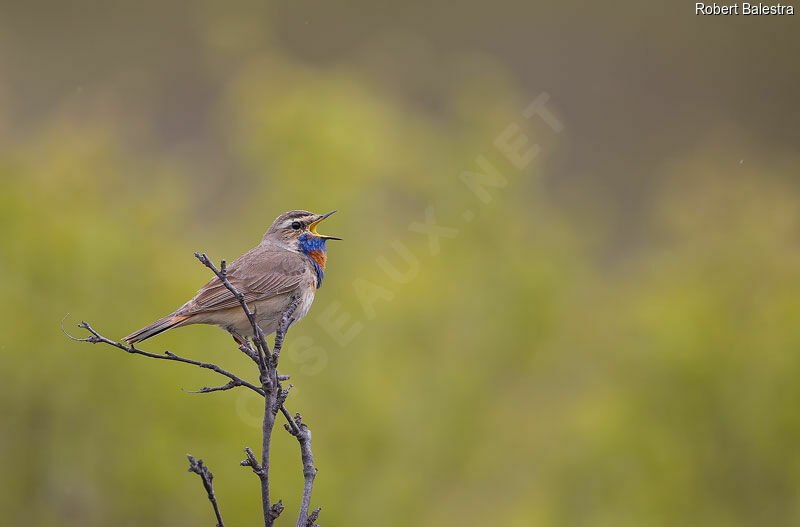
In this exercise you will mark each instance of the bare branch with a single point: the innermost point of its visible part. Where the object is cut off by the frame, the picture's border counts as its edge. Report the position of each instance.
(222, 274)
(273, 399)
(276, 510)
(271, 512)
(270, 402)
(97, 338)
(197, 466)
(286, 320)
(251, 352)
(295, 425)
(271, 389)
(312, 518)
(282, 395)
(251, 461)
(291, 426)
(303, 435)
(206, 389)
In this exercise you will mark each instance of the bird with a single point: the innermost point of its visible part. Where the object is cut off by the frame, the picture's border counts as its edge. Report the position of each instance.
(288, 264)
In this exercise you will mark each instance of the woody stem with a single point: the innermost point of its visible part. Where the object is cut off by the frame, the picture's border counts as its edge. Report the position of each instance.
(268, 424)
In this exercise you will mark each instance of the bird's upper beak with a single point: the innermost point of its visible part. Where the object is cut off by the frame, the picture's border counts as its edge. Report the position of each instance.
(313, 227)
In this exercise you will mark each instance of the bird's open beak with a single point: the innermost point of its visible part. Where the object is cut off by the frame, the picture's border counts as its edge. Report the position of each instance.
(313, 227)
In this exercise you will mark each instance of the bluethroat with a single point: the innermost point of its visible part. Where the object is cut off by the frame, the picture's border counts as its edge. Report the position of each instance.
(288, 263)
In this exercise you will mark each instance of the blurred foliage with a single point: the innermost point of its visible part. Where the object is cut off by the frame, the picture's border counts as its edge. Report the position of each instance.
(617, 351)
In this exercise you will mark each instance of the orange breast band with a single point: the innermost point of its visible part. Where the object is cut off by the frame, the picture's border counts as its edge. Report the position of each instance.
(319, 257)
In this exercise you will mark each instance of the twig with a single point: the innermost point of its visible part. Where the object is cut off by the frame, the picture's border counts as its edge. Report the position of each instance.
(222, 274)
(303, 435)
(270, 399)
(206, 389)
(251, 461)
(235, 381)
(312, 518)
(286, 320)
(269, 384)
(295, 425)
(197, 466)
(273, 511)
(98, 338)
(293, 428)
(271, 389)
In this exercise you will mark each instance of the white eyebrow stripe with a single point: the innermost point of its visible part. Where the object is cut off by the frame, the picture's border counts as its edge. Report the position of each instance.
(288, 223)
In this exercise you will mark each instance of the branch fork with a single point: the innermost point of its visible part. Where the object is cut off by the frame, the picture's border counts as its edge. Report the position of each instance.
(270, 388)
(197, 466)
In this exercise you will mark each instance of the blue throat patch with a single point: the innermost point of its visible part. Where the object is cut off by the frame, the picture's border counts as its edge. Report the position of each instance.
(309, 243)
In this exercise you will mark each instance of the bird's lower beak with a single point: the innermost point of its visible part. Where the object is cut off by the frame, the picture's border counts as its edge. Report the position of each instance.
(313, 227)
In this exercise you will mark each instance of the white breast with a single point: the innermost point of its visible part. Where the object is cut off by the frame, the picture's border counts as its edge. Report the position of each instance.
(306, 299)
(268, 312)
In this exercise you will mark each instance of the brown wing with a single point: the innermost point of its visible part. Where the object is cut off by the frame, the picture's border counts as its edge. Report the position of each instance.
(260, 274)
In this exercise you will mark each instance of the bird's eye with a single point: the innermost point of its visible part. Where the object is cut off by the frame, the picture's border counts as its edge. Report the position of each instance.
(296, 225)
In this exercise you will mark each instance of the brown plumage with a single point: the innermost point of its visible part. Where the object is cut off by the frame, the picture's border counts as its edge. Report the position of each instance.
(268, 275)
(159, 326)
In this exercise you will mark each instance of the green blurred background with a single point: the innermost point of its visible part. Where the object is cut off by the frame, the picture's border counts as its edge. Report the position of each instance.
(611, 341)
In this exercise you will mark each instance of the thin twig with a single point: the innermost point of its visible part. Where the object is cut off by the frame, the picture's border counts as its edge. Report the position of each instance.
(273, 511)
(197, 466)
(303, 435)
(251, 352)
(267, 425)
(251, 461)
(222, 274)
(295, 425)
(98, 338)
(286, 320)
(269, 384)
(274, 397)
(237, 381)
(312, 518)
(293, 428)
(207, 389)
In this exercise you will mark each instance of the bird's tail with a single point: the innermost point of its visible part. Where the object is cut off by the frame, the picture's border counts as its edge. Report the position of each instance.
(159, 326)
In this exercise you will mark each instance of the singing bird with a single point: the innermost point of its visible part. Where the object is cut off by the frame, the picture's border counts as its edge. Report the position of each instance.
(289, 262)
